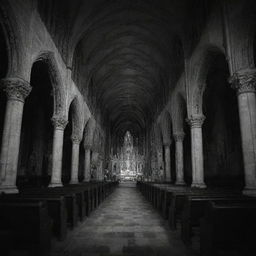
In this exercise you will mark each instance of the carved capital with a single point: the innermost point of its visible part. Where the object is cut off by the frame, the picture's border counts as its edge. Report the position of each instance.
(59, 123)
(15, 88)
(179, 136)
(244, 81)
(75, 139)
(196, 121)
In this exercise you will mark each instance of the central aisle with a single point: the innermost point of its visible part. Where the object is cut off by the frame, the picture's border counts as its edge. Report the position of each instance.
(125, 224)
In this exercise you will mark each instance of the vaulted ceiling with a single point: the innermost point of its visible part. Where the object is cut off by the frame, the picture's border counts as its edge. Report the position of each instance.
(125, 55)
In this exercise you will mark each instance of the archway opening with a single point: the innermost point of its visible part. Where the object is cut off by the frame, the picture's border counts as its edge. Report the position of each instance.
(35, 158)
(223, 162)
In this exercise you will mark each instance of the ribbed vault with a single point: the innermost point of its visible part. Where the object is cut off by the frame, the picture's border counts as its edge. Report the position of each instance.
(125, 55)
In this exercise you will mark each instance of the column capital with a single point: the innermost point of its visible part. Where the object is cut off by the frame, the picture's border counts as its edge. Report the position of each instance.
(196, 121)
(244, 81)
(16, 88)
(59, 122)
(76, 139)
(179, 136)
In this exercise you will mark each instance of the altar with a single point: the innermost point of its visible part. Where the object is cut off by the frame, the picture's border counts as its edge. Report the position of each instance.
(128, 163)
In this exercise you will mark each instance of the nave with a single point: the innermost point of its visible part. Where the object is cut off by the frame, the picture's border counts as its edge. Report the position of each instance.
(125, 224)
(95, 93)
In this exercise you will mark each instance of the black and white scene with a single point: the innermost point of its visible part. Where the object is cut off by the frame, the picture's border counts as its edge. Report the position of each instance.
(127, 127)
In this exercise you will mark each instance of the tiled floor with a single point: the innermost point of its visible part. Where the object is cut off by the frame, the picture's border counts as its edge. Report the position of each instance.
(125, 224)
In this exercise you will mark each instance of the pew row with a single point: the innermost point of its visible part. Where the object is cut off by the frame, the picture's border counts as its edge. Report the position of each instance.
(228, 227)
(29, 226)
(58, 209)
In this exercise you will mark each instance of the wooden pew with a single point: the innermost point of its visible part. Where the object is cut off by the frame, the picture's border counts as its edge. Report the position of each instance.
(29, 224)
(70, 198)
(100, 193)
(194, 208)
(80, 198)
(228, 227)
(89, 195)
(6, 238)
(56, 209)
(164, 205)
(177, 199)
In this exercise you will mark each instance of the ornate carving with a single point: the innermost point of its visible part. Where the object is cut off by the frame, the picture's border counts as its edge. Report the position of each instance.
(179, 136)
(76, 139)
(15, 88)
(59, 122)
(244, 81)
(196, 121)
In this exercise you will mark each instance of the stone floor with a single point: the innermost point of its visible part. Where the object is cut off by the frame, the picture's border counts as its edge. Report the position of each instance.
(125, 224)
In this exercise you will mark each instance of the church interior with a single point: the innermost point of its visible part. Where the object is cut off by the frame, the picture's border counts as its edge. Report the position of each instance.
(127, 127)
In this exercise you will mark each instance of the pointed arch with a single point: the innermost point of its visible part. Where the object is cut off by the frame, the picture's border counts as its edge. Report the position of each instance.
(178, 112)
(77, 116)
(204, 59)
(13, 40)
(89, 132)
(56, 80)
(166, 127)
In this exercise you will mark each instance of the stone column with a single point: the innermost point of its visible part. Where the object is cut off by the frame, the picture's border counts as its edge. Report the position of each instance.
(16, 90)
(100, 168)
(59, 124)
(87, 164)
(167, 157)
(244, 82)
(95, 156)
(179, 137)
(75, 159)
(196, 123)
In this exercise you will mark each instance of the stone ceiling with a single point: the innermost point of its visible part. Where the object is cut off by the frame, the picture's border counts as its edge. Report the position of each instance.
(126, 54)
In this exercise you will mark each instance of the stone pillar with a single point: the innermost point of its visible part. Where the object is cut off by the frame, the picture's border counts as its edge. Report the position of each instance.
(100, 168)
(167, 157)
(179, 137)
(95, 156)
(196, 123)
(75, 159)
(87, 164)
(59, 124)
(244, 82)
(16, 91)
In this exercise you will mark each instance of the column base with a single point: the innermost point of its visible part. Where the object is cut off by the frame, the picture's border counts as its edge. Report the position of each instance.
(249, 192)
(8, 189)
(180, 183)
(53, 185)
(74, 182)
(198, 185)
